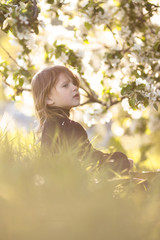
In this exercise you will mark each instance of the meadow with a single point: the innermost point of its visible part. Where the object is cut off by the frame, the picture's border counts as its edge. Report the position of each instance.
(56, 197)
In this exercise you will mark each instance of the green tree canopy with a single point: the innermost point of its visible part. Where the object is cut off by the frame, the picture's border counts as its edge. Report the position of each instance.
(113, 45)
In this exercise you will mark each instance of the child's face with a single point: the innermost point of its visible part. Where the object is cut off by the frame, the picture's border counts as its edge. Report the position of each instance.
(64, 94)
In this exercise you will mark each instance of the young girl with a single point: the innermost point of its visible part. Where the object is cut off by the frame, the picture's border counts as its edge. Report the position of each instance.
(55, 91)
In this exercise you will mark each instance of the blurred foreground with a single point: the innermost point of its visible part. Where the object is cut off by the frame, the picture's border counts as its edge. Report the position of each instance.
(60, 198)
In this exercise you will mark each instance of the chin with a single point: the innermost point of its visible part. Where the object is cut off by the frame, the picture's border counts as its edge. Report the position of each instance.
(75, 105)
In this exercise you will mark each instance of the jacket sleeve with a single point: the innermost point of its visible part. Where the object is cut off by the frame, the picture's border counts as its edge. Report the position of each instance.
(116, 161)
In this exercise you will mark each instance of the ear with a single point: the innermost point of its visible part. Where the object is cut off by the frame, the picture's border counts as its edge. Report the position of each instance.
(49, 100)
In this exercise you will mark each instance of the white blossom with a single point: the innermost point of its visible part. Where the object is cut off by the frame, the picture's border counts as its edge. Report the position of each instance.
(21, 63)
(107, 117)
(115, 86)
(141, 107)
(23, 35)
(31, 43)
(8, 21)
(83, 3)
(120, 14)
(23, 5)
(125, 31)
(62, 59)
(158, 92)
(6, 15)
(23, 19)
(10, 10)
(136, 47)
(140, 81)
(125, 104)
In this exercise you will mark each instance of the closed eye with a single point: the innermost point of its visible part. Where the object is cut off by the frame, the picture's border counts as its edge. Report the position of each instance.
(65, 85)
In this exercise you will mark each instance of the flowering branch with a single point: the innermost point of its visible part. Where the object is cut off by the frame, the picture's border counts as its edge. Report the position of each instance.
(94, 99)
(35, 9)
(10, 56)
(18, 89)
(112, 33)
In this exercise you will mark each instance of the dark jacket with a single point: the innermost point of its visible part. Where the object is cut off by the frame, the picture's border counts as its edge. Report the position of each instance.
(60, 132)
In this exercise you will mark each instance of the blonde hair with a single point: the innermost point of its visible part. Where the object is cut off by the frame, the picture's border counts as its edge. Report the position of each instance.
(41, 85)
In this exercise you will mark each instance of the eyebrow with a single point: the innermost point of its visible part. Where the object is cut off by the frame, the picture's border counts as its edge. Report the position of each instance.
(65, 81)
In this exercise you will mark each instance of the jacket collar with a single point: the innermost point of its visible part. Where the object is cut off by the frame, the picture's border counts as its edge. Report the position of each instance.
(62, 111)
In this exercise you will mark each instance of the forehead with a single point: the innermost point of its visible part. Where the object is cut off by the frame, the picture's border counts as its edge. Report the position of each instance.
(63, 77)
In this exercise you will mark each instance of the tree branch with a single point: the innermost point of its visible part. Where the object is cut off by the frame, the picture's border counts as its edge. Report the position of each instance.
(113, 33)
(18, 90)
(93, 99)
(9, 55)
(87, 85)
(84, 103)
(88, 94)
(35, 8)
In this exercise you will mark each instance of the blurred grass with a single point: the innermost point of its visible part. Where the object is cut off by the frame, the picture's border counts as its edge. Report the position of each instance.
(55, 197)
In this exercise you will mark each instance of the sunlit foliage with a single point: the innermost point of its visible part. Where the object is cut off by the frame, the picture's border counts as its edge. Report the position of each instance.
(112, 45)
(116, 42)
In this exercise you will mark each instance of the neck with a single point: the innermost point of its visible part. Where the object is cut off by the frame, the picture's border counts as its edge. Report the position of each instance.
(62, 111)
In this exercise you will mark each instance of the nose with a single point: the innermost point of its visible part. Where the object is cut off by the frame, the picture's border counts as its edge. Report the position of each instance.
(75, 88)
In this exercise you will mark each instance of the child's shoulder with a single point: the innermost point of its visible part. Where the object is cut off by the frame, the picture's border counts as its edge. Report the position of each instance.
(70, 123)
(63, 123)
(76, 127)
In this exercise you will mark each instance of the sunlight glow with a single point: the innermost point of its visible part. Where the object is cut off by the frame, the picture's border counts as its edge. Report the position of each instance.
(136, 114)
(7, 123)
(117, 130)
(8, 92)
(27, 100)
(156, 18)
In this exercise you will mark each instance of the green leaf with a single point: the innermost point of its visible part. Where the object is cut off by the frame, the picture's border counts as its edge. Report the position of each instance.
(36, 30)
(50, 1)
(100, 9)
(148, 6)
(141, 87)
(141, 66)
(87, 25)
(126, 90)
(140, 97)
(132, 102)
(145, 101)
(58, 52)
(157, 46)
(155, 106)
(21, 81)
(105, 27)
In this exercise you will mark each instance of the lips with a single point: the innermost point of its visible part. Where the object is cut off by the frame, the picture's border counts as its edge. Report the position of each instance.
(76, 95)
